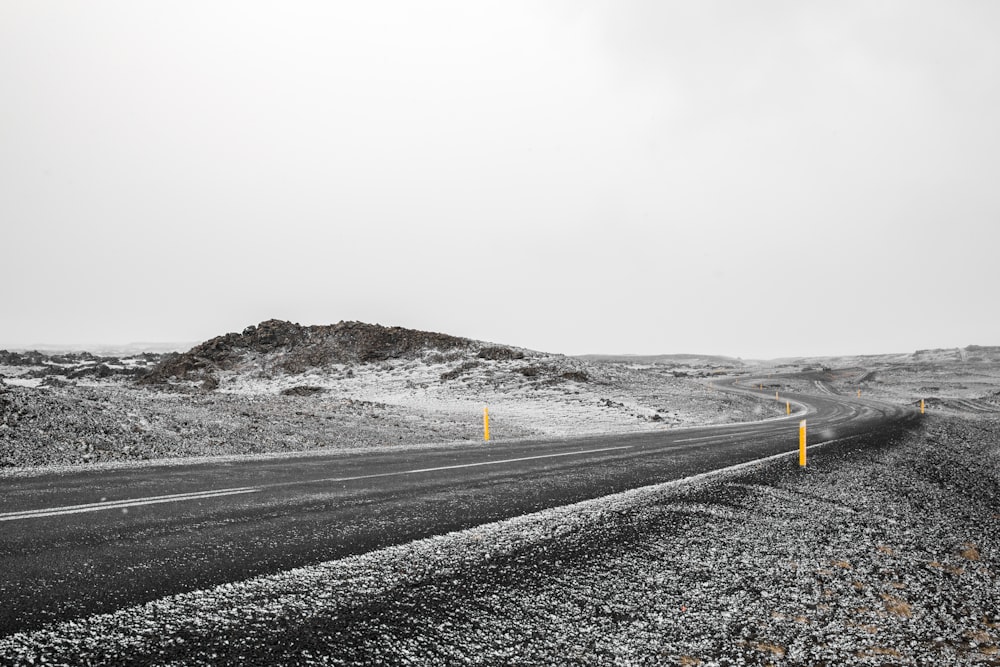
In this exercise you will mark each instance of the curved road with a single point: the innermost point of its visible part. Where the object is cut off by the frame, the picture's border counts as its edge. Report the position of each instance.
(86, 542)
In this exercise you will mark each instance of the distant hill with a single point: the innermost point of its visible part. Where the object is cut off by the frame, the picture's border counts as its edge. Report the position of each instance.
(104, 349)
(691, 360)
(293, 348)
(968, 354)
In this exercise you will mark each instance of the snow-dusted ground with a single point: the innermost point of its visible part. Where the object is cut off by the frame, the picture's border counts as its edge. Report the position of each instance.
(612, 398)
(869, 557)
(947, 386)
(438, 398)
(887, 555)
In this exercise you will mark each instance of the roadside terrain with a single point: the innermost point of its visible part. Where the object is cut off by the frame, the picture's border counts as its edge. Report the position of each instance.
(885, 550)
(280, 387)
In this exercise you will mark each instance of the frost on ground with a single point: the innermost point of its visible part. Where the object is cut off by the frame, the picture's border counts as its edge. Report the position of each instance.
(280, 388)
(877, 554)
(952, 381)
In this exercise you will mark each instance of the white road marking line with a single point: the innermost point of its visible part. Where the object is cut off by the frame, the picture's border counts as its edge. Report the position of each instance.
(118, 504)
(177, 497)
(471, 465)
(739, 434)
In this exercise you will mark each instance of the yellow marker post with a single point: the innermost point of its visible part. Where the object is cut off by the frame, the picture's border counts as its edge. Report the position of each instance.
(921, 406)
(788, 407)
(859, 393)
(486, 424)
(802, 443)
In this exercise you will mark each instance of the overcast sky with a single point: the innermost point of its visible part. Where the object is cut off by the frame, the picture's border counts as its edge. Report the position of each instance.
(753, 179)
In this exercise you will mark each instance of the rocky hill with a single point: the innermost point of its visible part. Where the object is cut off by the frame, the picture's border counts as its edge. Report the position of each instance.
(293, 348)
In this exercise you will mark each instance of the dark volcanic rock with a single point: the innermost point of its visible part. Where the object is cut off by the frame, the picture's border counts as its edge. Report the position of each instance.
(98, 371)
(302, 390)
(459, 370)
(33, 358)
(294, 348)
(500, 353)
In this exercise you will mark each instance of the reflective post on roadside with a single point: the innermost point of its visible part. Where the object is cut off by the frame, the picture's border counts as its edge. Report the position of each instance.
(486, 424)
(802, 443)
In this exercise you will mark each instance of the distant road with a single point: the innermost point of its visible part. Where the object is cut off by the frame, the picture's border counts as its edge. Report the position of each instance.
(88, 542)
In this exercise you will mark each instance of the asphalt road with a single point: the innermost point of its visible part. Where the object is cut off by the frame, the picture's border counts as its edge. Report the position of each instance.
(87, 542)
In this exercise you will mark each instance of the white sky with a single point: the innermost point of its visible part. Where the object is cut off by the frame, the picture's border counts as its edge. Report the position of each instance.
(756, 179)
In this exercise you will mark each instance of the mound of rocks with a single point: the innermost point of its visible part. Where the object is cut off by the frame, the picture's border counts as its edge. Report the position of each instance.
(294, 348)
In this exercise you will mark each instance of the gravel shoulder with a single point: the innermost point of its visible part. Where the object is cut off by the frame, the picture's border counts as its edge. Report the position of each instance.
(878, 553)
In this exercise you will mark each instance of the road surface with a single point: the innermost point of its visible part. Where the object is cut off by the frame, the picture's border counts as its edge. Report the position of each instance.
(94, 541)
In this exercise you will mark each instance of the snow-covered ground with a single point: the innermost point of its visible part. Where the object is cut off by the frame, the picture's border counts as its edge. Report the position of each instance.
(872, 556)
(94, 412)
(610, 399)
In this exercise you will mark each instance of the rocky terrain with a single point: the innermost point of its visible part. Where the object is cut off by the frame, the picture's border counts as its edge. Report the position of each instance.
(277, 346)
(282, 387)
(279, 387)
(879, 553)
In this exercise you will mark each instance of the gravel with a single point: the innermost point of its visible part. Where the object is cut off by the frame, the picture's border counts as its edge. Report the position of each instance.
(878, 553)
